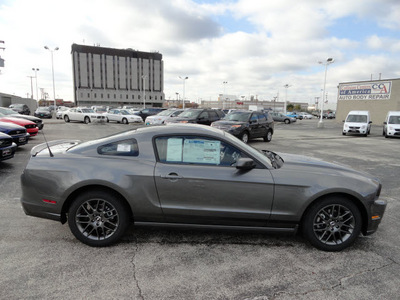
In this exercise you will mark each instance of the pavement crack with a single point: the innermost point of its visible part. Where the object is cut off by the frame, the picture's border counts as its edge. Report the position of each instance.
(135, 279)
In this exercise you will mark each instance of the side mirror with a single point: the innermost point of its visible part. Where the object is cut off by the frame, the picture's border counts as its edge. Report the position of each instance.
(385, 123)
(369, 122)
(343, 121)
(245, 164)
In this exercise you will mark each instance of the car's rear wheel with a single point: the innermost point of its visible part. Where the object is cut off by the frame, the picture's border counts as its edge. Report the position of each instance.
(287, 121)
(244, 137)
(332, 224)
(66, 118)
(98, 218)
(268, 137)
(124, 121)
(86, 120)
(344, 133)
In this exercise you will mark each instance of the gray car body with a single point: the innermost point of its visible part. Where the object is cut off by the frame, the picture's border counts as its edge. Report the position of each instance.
(266, 198)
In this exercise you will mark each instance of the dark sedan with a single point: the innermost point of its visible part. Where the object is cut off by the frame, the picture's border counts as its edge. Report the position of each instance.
(7, 147)
(11, 113)
(200, 116)
(43, 112)
(247, 125)
(18, 133)
(20, 108)
(196, 176)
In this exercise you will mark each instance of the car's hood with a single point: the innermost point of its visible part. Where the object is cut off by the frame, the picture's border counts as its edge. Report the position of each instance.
(355, 124)
(19, 121)
(30, 118)
(301, 162)
(180, 119)
(10, 126)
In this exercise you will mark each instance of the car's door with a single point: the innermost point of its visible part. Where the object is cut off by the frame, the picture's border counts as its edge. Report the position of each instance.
(254, 126)
(204, 118)
(263, 125)
(197, 182)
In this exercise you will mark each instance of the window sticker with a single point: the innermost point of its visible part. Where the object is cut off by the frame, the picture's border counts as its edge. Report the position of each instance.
(201, 151)
(174, 149)
(124, 148)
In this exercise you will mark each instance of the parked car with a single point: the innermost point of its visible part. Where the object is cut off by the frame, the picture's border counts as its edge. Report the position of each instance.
(31, 127)
(279, 117)
(163, 116)
(43, 112)
(60, 112)
(85, 115)
(99, 109)
(18, 133)
(295, 115)
(22, 109)
(122, 116)
(391, 125)
(247, 125)
(357, 122)
(306, 115)
(198, 115)
(196, 176)
(151, 111)
(7, 147)
(11, 113)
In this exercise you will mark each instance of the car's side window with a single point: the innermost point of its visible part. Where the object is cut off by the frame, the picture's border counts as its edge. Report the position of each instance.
(253, 118)
(262, 118)
(120, 148)
(204, 115)
(196, 150)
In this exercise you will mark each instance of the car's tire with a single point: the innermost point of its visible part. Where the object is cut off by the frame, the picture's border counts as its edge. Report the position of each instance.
(86, 120)
(98, 218)
(383, 132)
(287, 121)
(244, 137)
(107, 120)
(386, 135)
(66, 118)
(125, 121)
(344, 133)
(268, 137)
(332, 224)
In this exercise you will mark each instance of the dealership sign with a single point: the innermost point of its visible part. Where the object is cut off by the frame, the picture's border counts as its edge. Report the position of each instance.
(365, 91)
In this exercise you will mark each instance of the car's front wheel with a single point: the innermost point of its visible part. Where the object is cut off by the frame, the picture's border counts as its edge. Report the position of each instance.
(98, 218)
(86, 120)
(124, 121)
(66, 118)
(332, 224)
(287, 121)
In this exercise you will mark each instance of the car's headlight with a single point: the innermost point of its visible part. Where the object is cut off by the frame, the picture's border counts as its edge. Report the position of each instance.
(363, 126)
(346, 126)
(183, 121)
(235, 126)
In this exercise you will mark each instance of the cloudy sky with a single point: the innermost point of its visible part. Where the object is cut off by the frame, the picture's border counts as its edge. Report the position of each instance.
(257, 46)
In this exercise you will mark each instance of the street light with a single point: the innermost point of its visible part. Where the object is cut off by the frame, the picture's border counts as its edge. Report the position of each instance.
(31, 86)
(144, 90)
(286, 86)
(52, 70)
(37, 94)
(223, 97)
(183, 95)
(329, 61)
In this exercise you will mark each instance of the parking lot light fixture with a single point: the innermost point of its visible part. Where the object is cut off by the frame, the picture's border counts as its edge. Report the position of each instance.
(37, 93)
(329, 61)
(286, 86)
(183, 95)
(144, 90)
(52, 71)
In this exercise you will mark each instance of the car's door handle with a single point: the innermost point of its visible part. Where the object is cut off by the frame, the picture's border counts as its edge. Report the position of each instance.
(171, 176)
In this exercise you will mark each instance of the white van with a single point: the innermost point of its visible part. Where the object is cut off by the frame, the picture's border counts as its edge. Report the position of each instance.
(357, 122)
(391, 126)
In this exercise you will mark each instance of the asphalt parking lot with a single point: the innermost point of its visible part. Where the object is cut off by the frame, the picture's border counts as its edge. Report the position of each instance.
(40, 259)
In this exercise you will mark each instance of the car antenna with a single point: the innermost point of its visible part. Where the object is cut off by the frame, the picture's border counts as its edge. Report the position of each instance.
(48, 147)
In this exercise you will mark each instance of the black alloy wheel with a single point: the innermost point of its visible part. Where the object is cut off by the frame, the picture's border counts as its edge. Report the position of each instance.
(98, 218)
(268, 137)
(332, 224)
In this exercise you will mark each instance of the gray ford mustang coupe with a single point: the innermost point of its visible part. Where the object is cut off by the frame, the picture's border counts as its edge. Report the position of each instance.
(199, 177)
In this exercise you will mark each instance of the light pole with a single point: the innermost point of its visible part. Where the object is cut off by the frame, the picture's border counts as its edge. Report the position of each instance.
(223, 97)
(329, 61)
(37, 94)
(286, 86)
(31, 86)
(52, 70)
(183, 95)
(144, 90)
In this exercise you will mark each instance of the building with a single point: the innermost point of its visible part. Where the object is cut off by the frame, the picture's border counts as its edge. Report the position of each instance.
(244, 104)
(6, 100)
(115, 77)
(376, 96)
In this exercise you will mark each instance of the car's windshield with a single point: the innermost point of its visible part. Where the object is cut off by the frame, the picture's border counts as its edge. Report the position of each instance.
(165, 113)
(190, 114)
(357, 118)
(238, 116)
(394, 120)
(43, 109)
(124, 112)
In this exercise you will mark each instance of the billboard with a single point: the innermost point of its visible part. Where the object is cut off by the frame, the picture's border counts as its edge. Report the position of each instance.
(379, 90)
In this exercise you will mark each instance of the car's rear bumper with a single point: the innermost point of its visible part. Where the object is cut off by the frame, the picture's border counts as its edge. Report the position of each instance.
(377, 210)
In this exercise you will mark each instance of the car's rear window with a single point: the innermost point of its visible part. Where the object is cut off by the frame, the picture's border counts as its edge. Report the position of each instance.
(120, 148)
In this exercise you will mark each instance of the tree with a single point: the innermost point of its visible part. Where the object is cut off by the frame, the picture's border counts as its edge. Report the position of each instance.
(289, 107)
